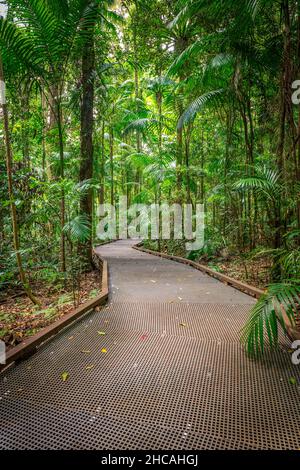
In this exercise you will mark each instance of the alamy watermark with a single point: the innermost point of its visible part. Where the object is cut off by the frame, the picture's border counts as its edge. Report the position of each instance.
(296, 354)
(154, 221)
(2, 93)
(296, 94)
(2, 353)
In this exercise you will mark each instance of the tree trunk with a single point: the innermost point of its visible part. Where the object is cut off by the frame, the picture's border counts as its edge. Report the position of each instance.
(87, 124)
(111, 160)
(62, 175)
(102, 164)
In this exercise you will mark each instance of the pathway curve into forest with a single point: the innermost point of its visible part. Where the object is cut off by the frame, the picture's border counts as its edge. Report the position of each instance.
(174, 375)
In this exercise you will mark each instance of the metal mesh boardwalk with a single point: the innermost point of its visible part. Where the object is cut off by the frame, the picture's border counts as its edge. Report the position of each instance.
(174, 375)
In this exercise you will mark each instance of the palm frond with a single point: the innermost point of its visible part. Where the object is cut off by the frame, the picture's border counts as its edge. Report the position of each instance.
(279, 300)
(211, 97)
(79, 228)
(265, 182)
(191, 51)
(20, 45)
(141, 125)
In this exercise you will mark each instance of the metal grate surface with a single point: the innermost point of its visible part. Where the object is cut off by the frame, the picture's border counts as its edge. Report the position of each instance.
(174, 377)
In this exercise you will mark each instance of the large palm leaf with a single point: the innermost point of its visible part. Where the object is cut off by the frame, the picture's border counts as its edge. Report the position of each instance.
(209, 98)
(265, 181)
(279, 300)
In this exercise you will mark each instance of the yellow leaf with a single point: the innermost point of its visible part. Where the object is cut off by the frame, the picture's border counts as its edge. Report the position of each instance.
(104, 351)
(65, 376)
(101, 333)
(182, 324)
(90, 367)
(86, 351)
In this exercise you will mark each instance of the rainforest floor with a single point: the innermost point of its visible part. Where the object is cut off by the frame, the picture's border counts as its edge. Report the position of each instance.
(19, 318)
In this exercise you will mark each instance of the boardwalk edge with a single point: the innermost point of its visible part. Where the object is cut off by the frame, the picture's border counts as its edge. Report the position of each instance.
(241, 286)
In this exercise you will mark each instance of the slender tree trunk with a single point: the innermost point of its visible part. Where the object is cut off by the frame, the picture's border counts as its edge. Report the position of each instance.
(24, 116)
(159, 106)
(62, 175)
(111, 160)
(181, 44)
(102, 164)
(202, 170)
(179, 160)
(87, 124)
(187, 163)
(43, 105)
(137, 91)
(285, 109)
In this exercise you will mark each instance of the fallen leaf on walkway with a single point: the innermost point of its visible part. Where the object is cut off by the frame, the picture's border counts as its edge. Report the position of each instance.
(293, 381)
(65, 376)
(71, 337)
(86, 351)
(90, 367)
(20, 390)
(171, 301)
(104, 350)
(106, 321)
(154, 282)
(143, 337)
(101, 333)
(183, 324)
(180, 298)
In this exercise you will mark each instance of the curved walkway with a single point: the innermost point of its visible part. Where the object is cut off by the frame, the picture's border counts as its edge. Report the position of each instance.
(174, 375)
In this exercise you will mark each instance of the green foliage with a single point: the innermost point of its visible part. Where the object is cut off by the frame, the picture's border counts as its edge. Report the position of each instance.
(78, 228)
(263, 322)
